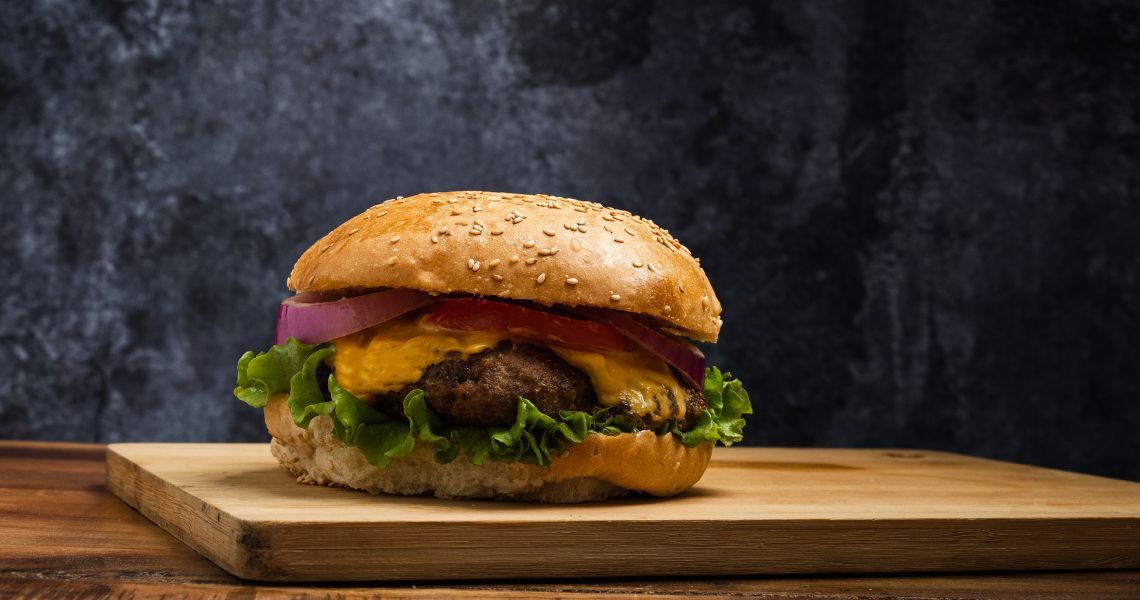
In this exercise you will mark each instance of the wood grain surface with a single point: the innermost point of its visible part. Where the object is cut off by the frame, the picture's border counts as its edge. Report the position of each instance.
(756, 511)
(64, 535)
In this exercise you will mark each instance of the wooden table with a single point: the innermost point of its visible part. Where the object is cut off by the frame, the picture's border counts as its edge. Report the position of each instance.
(63, 534)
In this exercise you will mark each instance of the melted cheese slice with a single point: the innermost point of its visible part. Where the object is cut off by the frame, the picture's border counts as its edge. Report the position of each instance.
(637, 378)
(388, 357)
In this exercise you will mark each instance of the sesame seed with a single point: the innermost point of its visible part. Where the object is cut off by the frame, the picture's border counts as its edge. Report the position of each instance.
(581, 209)
(496, 232)
(476, 208)
(394, 239)
(434, 240)
(548, 232)
(353, 230)
(544, 251)
(528, 244)
(475, 231)
(628, 231)
(619, 240)
(607, 218)
(541, 278)
(494, 263)
(638, 264)
(392, 261)
(569, 226)
(514, 258)
(325, 248)
(554, 251)
(531, 261)
(456, 212)
(681, 286)
(443, 230)
(571, 281)
(581, 221)
(497, 277)
(615, 297)
(575, 244)
(668, 308)
(473, 264)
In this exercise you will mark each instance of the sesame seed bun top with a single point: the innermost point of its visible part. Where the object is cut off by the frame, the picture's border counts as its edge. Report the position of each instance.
(540, 248)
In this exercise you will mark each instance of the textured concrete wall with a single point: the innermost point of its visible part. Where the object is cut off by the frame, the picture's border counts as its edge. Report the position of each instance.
(923, 218)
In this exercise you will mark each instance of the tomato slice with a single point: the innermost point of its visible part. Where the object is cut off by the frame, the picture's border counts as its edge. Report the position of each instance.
(471, 314)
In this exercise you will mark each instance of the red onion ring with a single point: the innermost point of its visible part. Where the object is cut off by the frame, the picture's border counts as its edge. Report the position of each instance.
(316, 322)
(686, 358)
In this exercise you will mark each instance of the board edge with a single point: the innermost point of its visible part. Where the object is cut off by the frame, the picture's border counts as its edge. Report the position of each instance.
(240, 554)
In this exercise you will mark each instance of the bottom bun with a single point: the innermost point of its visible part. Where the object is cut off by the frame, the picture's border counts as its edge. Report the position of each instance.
(598, 468)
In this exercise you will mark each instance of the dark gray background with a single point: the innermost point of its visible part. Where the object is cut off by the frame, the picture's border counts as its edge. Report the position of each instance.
(923, 218)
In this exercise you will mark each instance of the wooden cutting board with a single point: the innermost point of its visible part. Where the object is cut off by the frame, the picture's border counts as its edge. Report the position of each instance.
(756, 511)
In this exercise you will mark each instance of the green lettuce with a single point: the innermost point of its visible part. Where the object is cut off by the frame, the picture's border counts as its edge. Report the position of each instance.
(724, 420)
(533, 438)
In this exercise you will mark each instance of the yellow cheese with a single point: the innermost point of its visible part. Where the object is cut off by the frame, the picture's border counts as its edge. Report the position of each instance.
(638, 378)
(388, 357)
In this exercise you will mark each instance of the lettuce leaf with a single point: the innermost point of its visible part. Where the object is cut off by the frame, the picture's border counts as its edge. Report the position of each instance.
(723, 421)
(533, 438)
(270, 372)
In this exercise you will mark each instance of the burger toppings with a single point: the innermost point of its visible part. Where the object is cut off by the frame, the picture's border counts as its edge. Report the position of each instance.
(533, 437)
(396, 354)
(321, 319)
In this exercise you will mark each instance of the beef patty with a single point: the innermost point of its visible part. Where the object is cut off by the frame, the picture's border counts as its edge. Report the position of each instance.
(483, 389)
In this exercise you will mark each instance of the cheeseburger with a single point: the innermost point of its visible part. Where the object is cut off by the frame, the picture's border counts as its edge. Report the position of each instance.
(487, 345)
